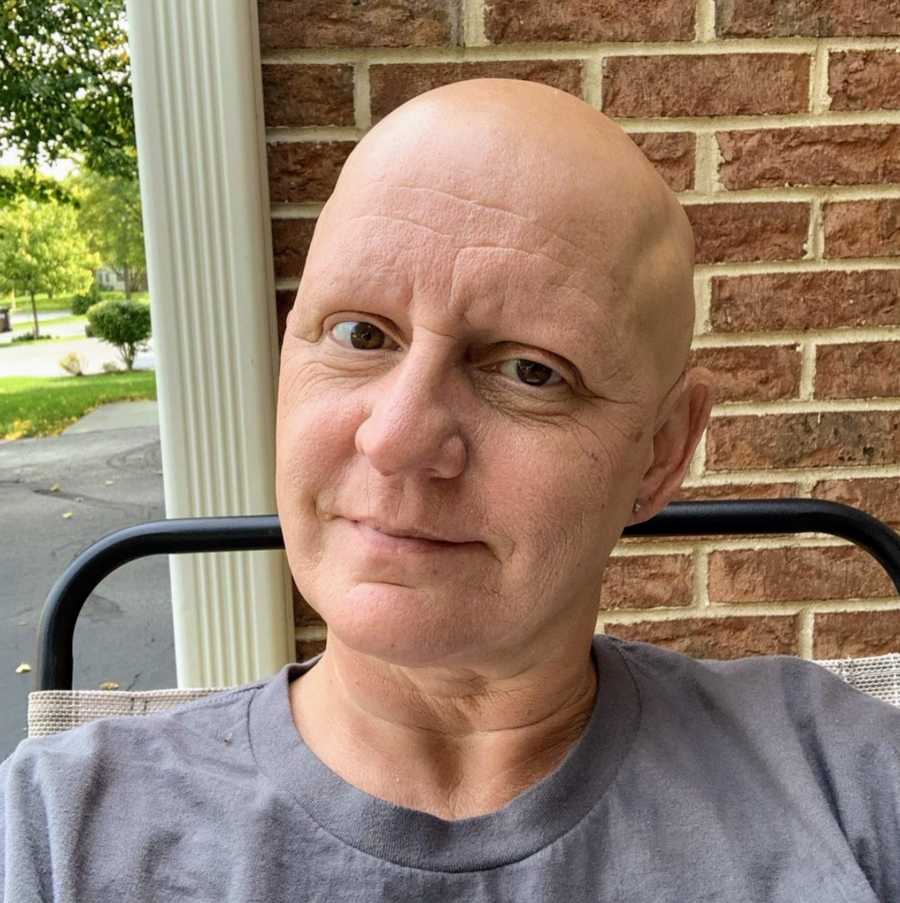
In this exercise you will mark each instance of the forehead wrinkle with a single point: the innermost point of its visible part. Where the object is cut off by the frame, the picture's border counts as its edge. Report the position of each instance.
(496, 208)
(473, 220)
(467, 245)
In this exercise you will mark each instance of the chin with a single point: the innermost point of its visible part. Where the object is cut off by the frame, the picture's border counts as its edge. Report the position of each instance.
(402, 625)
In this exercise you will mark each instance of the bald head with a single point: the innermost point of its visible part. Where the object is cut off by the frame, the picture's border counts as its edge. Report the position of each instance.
(532, 165)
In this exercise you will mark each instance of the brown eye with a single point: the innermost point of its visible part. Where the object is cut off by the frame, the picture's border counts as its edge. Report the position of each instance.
(359, 334)
(533, 373)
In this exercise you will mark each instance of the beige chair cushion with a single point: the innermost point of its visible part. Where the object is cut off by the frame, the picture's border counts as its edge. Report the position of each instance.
(50, 711)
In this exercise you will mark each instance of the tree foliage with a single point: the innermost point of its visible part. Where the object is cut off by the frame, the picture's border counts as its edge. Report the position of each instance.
(109, 211)
(43, 251)
(65, 89)
(125, 324)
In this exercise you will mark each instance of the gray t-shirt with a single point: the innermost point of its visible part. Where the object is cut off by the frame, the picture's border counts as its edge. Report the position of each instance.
(763, 779)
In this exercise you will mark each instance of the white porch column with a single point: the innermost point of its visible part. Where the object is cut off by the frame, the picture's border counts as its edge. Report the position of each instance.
(201, 153)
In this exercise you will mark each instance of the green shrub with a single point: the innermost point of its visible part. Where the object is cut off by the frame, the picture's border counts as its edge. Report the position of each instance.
(81, 303)
(125, 324)
(29, 337)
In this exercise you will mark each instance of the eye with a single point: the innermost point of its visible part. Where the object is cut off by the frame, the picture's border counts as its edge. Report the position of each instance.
(531, 373)
(359, 334)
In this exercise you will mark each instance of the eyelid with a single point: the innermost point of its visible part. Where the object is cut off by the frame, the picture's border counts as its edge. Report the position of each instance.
(357, 318)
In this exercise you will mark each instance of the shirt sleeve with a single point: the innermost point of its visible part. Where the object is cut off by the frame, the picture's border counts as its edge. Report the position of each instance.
(24, 842)
(852, 743)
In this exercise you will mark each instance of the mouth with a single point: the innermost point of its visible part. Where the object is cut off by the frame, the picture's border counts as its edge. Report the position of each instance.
(381, 539)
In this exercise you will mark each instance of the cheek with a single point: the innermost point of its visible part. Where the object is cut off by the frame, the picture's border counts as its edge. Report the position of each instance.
(561, 493)
(315, 445)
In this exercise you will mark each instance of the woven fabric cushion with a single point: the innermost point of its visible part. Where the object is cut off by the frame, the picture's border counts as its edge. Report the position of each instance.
(878, 676)
(51, 711)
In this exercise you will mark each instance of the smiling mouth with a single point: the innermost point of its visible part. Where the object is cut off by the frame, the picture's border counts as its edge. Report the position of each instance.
(378, 539)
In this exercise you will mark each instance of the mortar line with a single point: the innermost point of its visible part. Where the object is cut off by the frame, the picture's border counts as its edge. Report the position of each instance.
(819, 98)
(753, 476)
(702, 303)
(706, 167)
(805, 633)
(473, 24)
(701, 578)
(815, 242)
(785, 267)
(573, 50)
(362, 105)
(592, 82)
(725, 610)
(807, 406)
(838, 336)
(807, 370)
(705, 21)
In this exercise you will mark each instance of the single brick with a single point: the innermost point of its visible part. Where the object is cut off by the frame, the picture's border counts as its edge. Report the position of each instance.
(811, 18)
(858, 370)
(800, 301)
(647, 581)
(290, 24)
(822, 155)
(879, 496)
(290, 244)
(723, 638)
(826, 438)
(511, 21)
(855, 634)
(710, 85)
(751, 372)
(795, 574)
(392, 85)
(745, 232)
(672, 153)
(864, 80)
(295, 96)
(862, 228)
(737, 491)
(284, 301)
(305, 170)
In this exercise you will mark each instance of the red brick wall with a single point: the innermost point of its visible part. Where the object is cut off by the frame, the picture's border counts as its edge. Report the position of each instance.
(778, 123)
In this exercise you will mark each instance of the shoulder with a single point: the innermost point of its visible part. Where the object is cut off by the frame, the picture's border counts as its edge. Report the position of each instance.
(100, 749)
(779, 691)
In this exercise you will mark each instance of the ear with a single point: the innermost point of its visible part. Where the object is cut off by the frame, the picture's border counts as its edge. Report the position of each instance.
(683, 416)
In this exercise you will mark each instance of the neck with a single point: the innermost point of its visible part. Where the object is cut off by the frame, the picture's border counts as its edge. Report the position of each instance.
(452, 742)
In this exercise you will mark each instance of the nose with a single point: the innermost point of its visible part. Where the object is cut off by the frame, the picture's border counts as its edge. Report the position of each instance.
(412, 426)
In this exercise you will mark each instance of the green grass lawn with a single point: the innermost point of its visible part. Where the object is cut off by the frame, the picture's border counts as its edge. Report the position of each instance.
(45, 406)
(60, 302)
(28, 326)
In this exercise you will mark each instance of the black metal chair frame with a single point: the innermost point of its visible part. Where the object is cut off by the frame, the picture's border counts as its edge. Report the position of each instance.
(225, 534)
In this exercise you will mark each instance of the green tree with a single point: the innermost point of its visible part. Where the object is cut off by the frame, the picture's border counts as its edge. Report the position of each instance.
(43, 251)
(109, 211)
(125, 324)
(65, 89)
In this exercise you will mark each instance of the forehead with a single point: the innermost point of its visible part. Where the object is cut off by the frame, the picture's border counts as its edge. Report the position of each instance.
(448, 261)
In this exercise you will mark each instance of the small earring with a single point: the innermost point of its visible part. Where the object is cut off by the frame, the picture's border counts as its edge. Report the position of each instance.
(637, 506)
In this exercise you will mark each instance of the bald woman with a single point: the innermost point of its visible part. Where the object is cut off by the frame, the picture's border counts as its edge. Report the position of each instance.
(483, 381)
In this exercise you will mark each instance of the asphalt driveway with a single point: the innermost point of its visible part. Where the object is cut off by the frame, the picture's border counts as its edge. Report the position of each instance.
(57, 496)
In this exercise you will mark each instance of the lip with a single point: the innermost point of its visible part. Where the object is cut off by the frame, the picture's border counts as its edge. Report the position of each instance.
(375, 539)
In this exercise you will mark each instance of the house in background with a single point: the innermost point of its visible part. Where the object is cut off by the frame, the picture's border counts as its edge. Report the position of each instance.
(109, 280)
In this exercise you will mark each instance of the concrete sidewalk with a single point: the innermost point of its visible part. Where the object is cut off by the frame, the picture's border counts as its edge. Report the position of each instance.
(42, 358)
(59, 495)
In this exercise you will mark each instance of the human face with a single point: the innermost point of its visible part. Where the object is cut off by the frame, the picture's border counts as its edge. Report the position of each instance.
(483, 390)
